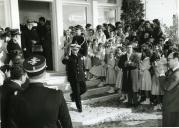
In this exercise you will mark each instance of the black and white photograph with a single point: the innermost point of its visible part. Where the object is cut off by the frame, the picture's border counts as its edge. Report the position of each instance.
(89, 63)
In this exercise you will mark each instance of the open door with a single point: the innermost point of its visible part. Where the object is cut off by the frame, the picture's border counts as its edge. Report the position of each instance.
(33, 10)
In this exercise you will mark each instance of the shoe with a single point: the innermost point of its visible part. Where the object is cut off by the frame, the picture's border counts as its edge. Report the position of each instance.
(159, 106)
(147, 101)
(122, 98)
(93, 78)
(80, 110)
(155, 107)
(125, 101)
(101, 84)
(72, 98)
(111, 90)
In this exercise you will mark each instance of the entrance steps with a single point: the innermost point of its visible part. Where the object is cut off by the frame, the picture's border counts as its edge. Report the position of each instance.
(94, 93)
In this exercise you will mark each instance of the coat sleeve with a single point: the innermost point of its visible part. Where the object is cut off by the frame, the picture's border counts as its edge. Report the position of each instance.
(64, 116)
(65, 60)
(168, 83)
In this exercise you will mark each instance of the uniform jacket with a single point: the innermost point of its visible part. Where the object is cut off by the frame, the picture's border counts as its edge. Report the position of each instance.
(80, 40)
(75, 67)
(41, 107)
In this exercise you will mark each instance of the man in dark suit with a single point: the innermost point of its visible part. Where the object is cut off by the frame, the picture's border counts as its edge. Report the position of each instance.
(39, 106)
(75, 72)
(10, 86)
(129, 63)
(170, 85)
(29, 38)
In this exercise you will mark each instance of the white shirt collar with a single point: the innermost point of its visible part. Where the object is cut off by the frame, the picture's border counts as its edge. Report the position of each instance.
(17, 82)
(175, 68)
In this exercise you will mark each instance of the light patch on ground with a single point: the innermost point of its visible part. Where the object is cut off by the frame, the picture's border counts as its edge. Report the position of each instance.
(96, 115)
(131, 123)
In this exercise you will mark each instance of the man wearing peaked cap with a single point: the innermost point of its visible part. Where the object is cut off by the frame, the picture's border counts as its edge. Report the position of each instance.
(39, 106)
(75, 73)
(35, 65)
(80, 40)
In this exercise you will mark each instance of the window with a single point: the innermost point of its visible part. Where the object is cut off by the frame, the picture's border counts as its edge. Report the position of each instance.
(106, 15)
(108, 1)
(74, 15)
(2, 14)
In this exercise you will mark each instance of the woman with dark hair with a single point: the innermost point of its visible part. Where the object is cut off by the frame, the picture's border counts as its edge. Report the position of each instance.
(145, 76)
(157, 32)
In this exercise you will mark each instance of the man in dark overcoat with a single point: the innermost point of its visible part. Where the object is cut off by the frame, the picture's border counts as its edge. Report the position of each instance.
(29, 38)
(129, 63)
(10, 86)
(75, 72)
(170, 84)
(39, 106)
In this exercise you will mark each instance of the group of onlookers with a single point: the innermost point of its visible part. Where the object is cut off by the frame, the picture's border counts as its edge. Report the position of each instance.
(25, 99)
(124, 57)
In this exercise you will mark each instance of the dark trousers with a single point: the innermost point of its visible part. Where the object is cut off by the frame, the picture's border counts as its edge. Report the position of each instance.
(132, 98)
(78, 88)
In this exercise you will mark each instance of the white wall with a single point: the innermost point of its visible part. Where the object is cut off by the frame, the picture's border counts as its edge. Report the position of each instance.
(34, 10)
(162, 10)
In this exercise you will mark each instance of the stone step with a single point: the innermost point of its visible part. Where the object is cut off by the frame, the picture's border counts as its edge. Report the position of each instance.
(95, 91)
(100, 98)
(97, 98)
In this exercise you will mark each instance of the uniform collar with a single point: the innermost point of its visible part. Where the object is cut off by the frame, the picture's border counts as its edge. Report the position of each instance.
(18, 82)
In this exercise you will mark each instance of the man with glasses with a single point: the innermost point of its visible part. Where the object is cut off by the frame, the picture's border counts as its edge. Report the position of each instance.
(170, 85)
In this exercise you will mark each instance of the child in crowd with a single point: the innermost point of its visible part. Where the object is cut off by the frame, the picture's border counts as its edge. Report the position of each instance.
(99, 35)
(110, 72)
(118, 53)
(88, 63)
(98, 69)
(156, 90)
(145, 77)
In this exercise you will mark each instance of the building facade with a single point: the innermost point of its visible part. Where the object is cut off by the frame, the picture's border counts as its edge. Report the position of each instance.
(63, 13)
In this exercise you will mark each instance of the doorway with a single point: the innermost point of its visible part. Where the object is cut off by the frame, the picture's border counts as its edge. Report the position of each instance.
(32, 11)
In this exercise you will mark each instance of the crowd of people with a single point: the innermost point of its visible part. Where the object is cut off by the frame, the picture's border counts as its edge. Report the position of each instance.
(124, 57)
(130, 59)
(26, 101)
(35, 38)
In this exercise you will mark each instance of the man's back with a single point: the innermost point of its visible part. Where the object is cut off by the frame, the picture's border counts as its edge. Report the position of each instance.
(41, 107)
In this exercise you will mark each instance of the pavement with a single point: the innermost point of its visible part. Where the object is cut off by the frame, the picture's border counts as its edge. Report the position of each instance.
(114, 114)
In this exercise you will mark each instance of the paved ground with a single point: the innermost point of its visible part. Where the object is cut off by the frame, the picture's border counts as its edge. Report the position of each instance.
(113, 114)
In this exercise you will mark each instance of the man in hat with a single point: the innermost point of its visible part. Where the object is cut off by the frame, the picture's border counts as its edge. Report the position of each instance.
(80, 40)
(75, 72)
(29, 38)
(39, 106)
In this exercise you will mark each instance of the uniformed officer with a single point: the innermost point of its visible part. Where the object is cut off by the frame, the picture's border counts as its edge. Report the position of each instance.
(75, 72)
(80, 40)
(39, 106)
